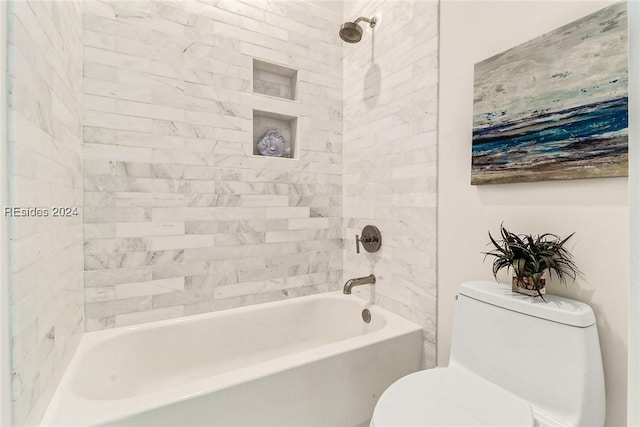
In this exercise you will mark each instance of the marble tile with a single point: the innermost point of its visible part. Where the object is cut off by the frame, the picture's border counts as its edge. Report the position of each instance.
(117, 306)
(389, 158)
(117, 153)
(249, 288)
(152, 315)
(115, 90)
(308, 223)
(159, 243)
(287, 212)
(187, 297)
(179, 270)
(151, 287)
(156, 228)
(116, 276)
(45, 119)
(286, 236)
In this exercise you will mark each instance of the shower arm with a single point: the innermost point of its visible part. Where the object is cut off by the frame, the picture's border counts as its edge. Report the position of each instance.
(372, 21)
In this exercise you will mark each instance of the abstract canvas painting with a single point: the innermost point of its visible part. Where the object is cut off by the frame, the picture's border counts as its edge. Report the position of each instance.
(554, 107)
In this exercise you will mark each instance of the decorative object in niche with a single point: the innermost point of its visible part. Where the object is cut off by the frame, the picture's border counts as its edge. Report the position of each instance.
(554, 107)
(279, 130)
(530, 257)
(273, 144)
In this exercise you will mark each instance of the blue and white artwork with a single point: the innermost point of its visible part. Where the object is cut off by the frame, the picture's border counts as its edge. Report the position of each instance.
(554, 107)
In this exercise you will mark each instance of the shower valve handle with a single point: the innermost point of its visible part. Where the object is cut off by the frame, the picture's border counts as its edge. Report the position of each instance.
(364, 239)
(371, 239)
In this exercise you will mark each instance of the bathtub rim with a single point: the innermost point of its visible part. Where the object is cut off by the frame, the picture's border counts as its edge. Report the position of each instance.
(103, 335)
(95, 411)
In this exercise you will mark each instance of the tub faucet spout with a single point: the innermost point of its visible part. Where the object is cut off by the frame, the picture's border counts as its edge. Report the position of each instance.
(370, 279)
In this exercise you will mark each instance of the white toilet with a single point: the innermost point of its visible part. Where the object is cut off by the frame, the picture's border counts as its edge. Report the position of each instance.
(515, 361)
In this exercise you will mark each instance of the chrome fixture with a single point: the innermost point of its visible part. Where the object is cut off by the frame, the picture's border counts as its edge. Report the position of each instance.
(370, 279)
(371, 239)
(351, 32)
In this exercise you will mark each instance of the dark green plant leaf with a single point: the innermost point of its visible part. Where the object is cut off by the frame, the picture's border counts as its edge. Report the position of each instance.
(529, 256)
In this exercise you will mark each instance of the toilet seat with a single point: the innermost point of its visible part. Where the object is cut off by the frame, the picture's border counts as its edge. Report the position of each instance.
(449, 397)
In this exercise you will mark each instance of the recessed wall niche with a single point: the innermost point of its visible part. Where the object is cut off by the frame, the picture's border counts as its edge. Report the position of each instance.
(286, 126)
(274, 80)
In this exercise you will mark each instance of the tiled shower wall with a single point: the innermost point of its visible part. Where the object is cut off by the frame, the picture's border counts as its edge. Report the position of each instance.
(390, 148)
(45, 167)
(181, 217)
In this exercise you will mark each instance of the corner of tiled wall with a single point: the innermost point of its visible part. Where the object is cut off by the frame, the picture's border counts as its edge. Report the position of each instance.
(390, 154)
(45, 156)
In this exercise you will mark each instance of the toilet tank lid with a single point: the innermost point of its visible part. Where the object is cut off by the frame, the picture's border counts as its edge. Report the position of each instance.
(556, 309)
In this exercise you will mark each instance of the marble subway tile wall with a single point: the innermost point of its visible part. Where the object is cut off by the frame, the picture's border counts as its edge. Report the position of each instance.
(181, 217)
(45, 171)
(390, 143)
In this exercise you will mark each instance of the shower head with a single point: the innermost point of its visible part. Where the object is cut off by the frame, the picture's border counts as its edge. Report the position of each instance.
(351, 32)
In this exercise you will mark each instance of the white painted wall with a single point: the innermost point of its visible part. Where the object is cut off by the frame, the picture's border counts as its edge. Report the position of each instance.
(597, 209)
(634, 178)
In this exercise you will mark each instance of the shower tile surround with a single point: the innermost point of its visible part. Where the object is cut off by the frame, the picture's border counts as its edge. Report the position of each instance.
(180, 216)
(45, 152)
(389, 159)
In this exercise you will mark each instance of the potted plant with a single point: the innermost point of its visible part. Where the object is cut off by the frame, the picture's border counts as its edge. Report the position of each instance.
(530, 257)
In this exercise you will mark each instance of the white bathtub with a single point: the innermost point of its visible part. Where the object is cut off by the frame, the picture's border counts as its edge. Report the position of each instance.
(309, 361)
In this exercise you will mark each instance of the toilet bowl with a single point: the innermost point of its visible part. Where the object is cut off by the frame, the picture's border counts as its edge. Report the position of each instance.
(450, 397)
(515, 361)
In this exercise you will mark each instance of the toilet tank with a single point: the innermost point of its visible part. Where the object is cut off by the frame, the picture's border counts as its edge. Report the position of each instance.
(546, 353)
